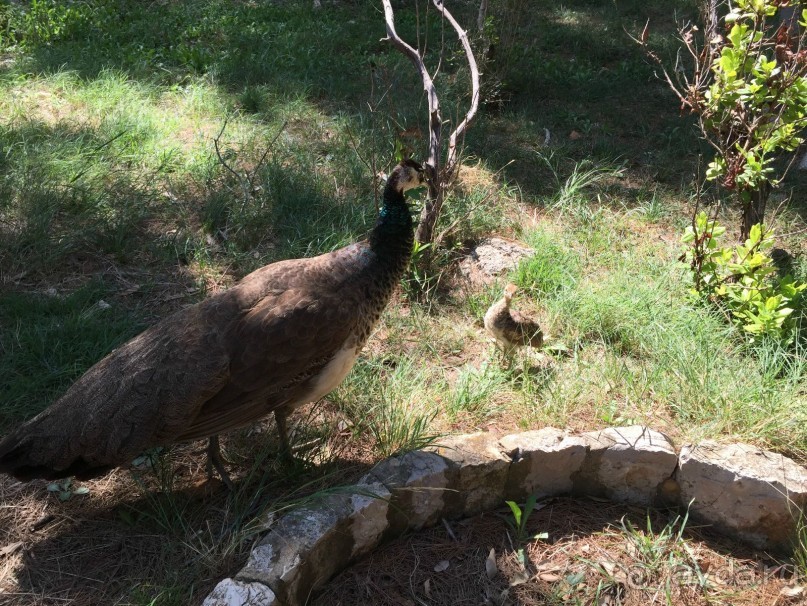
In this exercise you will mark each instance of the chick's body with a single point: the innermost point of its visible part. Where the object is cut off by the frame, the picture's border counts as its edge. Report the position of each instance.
(509, 328)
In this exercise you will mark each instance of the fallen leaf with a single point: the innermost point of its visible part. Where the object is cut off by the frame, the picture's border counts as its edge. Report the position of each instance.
(10, 548)
(427, 588)
(490, 564)
(441, 566)
(548, 577)
(792, 592)
(519, 578)
(608, 566)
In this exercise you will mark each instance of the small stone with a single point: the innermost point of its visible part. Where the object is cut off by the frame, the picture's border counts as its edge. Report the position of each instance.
(492, 258)
(491, 569)
(230, 592)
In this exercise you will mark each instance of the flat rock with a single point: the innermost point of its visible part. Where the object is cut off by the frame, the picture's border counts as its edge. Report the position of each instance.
(492, 258)
(626, 464)
(542, 462)
(230, 592)
(744, 491)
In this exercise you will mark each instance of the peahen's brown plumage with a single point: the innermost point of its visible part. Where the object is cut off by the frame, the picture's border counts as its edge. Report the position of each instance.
(510, 328)
(285, 335)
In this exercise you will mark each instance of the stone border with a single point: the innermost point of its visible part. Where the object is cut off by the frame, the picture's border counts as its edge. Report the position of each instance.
(743, 491)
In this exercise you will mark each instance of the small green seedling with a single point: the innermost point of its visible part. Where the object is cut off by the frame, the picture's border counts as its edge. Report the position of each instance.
(519, 528)
(65, 489)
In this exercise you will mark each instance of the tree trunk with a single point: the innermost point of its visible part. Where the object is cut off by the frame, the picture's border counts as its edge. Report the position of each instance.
(430, 213)
(754, 210)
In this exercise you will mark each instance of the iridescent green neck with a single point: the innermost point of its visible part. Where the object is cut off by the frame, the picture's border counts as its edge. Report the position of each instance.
(392, 235)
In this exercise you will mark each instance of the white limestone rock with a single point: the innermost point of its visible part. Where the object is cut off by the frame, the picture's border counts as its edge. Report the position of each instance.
(419, 484)
(478, 470)
(543, 462)
(493, 258)
(311, 544)
(744, 491)
(230, 592)
(626, 464)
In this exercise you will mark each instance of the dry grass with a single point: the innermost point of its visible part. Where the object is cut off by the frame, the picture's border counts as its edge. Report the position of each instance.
(138, 536)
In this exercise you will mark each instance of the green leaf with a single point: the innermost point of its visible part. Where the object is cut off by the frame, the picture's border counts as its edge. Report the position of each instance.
(736, 35)
(516, 511)
(755, 235)
(529, 505)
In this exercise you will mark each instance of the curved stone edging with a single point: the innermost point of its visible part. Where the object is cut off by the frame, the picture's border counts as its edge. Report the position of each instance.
(743, 491)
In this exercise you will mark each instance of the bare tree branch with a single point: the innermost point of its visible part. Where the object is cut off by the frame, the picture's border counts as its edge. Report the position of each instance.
(244, 183)
(451, 160)
(439, 178)
(435, 121)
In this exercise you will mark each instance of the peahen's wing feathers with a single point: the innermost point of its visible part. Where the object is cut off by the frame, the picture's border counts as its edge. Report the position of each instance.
(206, 369)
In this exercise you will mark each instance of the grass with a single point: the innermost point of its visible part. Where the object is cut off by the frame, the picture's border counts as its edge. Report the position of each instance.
(116, 210)
(50, 340)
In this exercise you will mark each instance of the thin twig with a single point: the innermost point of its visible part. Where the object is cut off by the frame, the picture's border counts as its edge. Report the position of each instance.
(370, 167)
(267, 150)
(241, 181)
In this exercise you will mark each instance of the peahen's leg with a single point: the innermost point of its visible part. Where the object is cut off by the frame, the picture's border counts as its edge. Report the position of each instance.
(214, 460)
(283, 433)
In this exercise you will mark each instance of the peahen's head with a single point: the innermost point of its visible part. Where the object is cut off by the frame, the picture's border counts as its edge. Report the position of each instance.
(407, 175)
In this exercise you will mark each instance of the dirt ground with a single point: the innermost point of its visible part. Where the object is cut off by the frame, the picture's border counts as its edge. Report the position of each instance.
(588, 558)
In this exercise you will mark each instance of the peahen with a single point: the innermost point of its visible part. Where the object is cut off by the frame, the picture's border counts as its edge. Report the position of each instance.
(285, 335)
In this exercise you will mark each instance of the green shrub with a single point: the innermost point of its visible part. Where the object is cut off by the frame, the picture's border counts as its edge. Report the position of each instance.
(742, 279)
